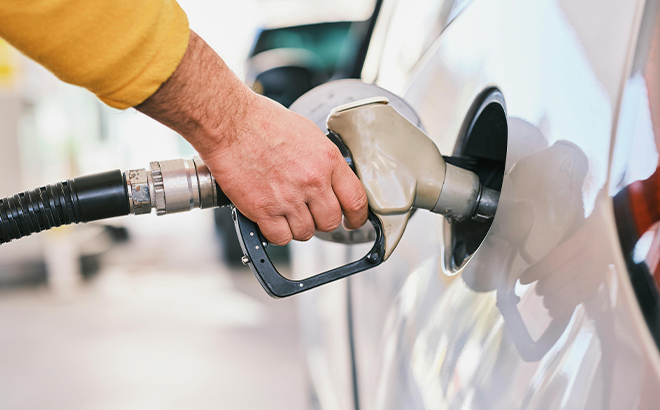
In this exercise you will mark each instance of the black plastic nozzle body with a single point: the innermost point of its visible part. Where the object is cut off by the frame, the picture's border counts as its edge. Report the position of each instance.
(82, 199)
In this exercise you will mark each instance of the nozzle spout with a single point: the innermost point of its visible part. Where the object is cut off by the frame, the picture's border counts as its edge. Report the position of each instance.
(487, 204)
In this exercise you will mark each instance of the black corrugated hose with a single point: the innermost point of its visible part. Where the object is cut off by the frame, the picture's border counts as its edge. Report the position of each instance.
(82, 199)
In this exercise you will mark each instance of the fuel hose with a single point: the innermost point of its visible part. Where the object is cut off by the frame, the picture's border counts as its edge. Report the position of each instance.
(168, 186)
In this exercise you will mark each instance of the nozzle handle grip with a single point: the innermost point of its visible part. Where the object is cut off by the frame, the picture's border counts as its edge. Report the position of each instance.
(254, 247)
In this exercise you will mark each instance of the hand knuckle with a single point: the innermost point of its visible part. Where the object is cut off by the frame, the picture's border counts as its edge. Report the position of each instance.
(313, 178)
(263, 205)
(357, 202)
(331, 155)
(330, 151)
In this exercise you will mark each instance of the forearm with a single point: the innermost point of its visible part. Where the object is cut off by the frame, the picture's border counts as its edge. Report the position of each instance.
(203, 100)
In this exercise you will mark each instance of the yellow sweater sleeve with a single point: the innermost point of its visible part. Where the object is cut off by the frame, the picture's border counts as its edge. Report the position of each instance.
(121, 50)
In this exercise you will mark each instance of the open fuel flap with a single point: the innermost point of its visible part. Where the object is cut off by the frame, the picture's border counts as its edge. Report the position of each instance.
(481, 148)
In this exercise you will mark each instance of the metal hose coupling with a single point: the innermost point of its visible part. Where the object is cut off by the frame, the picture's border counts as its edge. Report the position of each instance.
(177, 185)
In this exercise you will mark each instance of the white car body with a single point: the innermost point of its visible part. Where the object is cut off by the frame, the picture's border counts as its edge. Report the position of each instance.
(414, 333)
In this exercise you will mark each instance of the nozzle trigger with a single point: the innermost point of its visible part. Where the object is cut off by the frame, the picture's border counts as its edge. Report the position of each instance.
(254, 246)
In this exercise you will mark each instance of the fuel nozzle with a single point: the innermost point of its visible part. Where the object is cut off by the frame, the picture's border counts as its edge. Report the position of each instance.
(402, 169)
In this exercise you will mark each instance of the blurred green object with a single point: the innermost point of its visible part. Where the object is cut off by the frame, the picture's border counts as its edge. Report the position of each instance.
(326, 40)
(286, 62)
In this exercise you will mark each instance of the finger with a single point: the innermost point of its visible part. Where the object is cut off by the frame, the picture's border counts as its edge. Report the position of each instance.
(301, 223)
(326, 211)
(276, 230)
(351, 195)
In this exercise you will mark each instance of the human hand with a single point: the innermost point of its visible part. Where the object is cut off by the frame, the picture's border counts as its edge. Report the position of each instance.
(276, 166)
(283, 173)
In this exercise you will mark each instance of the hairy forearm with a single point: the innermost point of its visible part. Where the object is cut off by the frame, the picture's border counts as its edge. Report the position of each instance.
(203, 100)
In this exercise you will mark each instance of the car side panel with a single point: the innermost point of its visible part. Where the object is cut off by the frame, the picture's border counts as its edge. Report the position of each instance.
(571, 335)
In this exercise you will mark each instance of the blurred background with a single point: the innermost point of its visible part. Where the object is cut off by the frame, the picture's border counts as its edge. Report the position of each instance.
(150, 312)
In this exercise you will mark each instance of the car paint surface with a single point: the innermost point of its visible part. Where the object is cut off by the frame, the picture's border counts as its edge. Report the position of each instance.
(543, 315)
